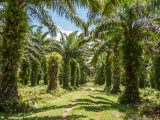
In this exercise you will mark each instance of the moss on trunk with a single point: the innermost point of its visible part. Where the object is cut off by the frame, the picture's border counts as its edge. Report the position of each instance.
(73, 72)
(132, 52)
(108, 70)
(116, 71)
(66, 73)
(15, 20)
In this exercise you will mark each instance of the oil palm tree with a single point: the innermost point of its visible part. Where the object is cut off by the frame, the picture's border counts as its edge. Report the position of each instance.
(73, 67)
(33, 57)
(69, 48)
(131, 22)
(109, 45)
(41, 40)
(15, 15)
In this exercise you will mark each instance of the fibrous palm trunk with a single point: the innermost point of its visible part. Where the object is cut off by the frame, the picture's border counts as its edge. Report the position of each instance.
(101, 75)
(53, 75)
(116, 71)
(39, 78)
(82, 77)
(66, 73)
(45, 74)
(73, 73)
(77, 78)
(108, 70)
(156, 68)
(60, 77)
(132, 52)
(13, 36)
(34, 74)
(25, 72)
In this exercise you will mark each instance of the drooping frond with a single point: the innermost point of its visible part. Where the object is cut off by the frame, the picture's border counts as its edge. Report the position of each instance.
(44, 35)
(42, 17)
(100, 50)
(110, 5)
(39, 30)
(36, 40)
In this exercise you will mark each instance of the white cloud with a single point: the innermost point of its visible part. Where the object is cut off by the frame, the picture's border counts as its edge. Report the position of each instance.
(70, 27)
(63, 31)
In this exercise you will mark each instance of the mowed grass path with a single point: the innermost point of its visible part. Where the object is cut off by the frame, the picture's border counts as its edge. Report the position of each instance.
(91, 105)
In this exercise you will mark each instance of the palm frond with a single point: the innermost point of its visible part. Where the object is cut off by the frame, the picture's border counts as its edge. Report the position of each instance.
(39, 30)
(36, 40)
(109, 6)
(42, 17)
(44, 35)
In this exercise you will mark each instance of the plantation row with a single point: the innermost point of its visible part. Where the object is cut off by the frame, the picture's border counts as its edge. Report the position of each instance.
(122, 49)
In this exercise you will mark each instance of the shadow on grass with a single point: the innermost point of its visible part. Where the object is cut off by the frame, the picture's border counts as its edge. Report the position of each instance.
(103, 105)
(74, 117)
(69, 117)
(25, 114)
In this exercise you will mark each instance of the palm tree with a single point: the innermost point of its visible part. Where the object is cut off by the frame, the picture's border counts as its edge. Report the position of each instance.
(84, 70)
(53, 61)
(131, 22)
(69, 48)
(77, 76)
(15, 16)
(108, 69)
(109, 46)
(32, 56)
(155, 76)
(116, 62)
(42, 42)
(73, 72)
(25, 70)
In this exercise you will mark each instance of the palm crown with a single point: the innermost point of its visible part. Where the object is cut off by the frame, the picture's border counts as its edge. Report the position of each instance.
(69, 48)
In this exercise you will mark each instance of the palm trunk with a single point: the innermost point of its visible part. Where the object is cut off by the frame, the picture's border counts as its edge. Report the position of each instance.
(142, 81)
(13, 36)
(108, 70)
(60, 77)
(45, 74)
(53, 75)
(116, 72)
(82, 78)
(34, 74)
(28, 75)
(77, 78)
(156, 68)
(101, 75)
(25, 73)
(66, 73)
(73, 73)
(39, 78)
(131, 56)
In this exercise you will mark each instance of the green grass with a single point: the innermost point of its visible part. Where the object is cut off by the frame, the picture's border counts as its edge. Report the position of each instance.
(98, 105)
(50, 109)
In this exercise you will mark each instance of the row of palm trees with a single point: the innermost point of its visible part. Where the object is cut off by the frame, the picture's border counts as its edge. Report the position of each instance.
(33, 63)
(132, 23)
(15, 15)
(129, 31)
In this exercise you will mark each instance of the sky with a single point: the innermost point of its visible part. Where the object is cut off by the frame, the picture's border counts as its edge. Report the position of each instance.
(65, 25)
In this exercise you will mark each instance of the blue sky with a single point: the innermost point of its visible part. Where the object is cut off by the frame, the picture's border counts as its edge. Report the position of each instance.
(64, 24)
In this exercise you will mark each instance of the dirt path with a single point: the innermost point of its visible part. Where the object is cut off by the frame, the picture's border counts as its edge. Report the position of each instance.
(73, 103)
(70, 108)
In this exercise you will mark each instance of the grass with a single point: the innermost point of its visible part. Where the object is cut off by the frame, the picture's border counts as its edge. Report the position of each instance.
(97, 106)
(50, 109)
(91, 105)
